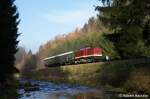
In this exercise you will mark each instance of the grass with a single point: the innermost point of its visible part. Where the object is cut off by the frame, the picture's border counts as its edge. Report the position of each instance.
(119, 75)
(84, 74)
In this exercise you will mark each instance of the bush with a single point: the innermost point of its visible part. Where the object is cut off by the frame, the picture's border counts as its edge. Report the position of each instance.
(139, 81)
(129, 75)
(115, 74)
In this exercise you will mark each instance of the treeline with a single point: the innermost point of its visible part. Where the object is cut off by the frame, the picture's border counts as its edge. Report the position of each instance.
(72, 41)
(25, 61)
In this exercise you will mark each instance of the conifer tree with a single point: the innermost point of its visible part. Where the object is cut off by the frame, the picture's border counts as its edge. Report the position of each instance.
(8, 38)
(30, 62)
(126, 19)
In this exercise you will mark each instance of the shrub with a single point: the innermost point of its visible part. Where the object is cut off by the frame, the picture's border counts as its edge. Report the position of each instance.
(139, 81)
(115, 74)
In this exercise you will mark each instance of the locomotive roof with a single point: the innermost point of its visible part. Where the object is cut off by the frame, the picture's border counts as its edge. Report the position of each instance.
(51, 57)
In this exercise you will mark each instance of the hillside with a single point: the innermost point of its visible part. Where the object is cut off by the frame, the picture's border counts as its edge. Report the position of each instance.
(90, 35)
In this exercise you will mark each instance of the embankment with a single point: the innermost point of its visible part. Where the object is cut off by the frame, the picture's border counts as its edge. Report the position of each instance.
(127, 75)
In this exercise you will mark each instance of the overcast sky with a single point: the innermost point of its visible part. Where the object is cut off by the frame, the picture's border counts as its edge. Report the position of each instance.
(42, 20)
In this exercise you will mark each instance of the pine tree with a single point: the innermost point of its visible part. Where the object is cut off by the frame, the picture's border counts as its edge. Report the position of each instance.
(8, 38)
(126, 19)
(30, 62)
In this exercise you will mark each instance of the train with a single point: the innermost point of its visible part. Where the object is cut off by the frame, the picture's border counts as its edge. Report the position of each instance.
(81, 56)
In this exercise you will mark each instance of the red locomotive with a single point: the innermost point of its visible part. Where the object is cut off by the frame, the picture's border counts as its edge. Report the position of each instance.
(88, 55)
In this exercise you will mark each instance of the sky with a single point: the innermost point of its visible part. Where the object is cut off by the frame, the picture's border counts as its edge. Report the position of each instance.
(43, 20)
